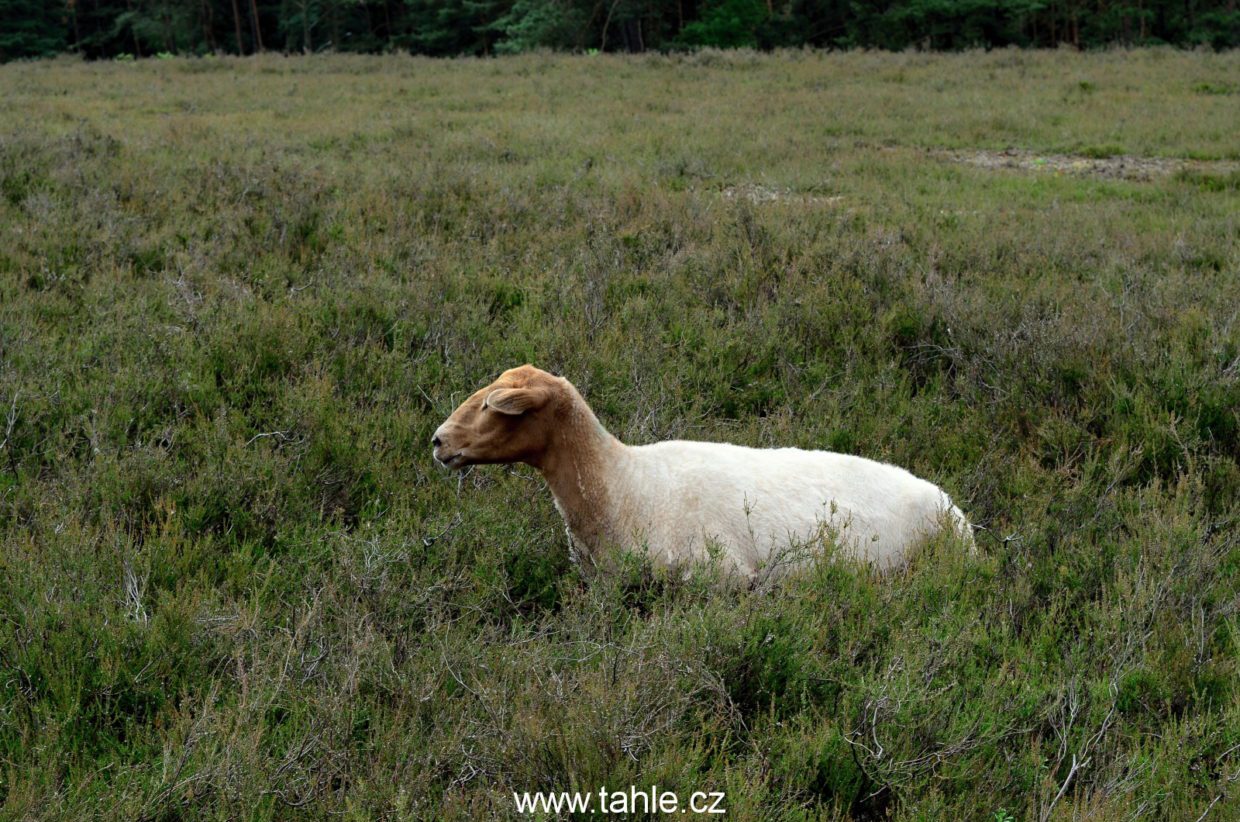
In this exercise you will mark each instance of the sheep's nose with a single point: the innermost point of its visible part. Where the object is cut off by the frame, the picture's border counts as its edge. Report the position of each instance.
(436, 442)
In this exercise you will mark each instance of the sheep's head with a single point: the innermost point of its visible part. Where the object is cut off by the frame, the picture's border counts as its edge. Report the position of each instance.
(511, 420)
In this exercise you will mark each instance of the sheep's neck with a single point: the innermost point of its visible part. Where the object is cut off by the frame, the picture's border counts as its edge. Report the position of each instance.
(575, 467)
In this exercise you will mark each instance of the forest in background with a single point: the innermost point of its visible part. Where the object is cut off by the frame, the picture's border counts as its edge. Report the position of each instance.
(143, 28)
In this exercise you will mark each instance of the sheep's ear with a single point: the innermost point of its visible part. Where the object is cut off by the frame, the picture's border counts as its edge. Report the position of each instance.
(515, 400)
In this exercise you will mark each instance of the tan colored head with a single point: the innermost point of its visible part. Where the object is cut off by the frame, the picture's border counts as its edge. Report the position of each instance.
(514, 419)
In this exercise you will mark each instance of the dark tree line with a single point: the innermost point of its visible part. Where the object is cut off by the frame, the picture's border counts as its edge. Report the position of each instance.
(112, 28)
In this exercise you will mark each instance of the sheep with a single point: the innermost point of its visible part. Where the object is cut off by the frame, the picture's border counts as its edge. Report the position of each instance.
(683, 502)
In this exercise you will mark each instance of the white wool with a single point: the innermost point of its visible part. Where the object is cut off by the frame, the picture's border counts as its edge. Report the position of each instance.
(759, 506)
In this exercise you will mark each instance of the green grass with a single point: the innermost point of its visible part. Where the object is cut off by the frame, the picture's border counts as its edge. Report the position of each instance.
(237, 296)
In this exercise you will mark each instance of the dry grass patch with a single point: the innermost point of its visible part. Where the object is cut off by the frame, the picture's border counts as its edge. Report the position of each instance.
(1120, 167)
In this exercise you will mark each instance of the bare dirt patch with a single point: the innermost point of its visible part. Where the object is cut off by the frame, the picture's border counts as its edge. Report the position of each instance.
(1123, 167)
(759, 194)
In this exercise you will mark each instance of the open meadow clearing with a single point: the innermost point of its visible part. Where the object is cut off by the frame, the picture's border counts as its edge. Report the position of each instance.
(237, 296)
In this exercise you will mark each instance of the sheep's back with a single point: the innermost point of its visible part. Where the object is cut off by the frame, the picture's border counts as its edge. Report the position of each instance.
(678, 496)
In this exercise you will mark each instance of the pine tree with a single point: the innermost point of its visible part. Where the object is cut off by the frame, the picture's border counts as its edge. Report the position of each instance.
(32, 28)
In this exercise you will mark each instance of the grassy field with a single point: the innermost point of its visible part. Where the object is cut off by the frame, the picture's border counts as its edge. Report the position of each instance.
(237, 296)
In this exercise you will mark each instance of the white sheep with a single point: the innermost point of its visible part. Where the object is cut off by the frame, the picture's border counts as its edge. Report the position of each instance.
(680, 501)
